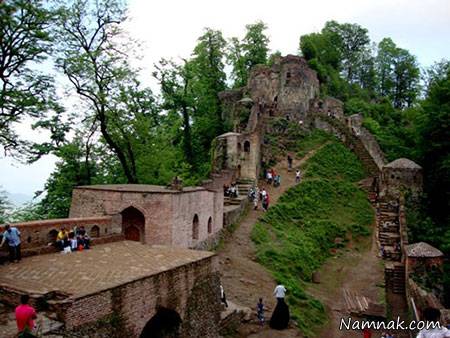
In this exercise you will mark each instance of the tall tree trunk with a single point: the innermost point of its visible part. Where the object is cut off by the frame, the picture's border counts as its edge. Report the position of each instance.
(131, 178)
(187, 138)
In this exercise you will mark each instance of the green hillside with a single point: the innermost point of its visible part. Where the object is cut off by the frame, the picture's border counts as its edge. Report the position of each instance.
(298, 233)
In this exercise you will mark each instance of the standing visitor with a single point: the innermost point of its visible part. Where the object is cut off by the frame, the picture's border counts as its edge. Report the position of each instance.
(260, 311)
(265, 201)
(255, 199)
(269, 177)
(297, 176)
(263, 194)
(11, 235)
(280, 316)
(223, 297)
(25, 316)
(277, 181)
(289, 160)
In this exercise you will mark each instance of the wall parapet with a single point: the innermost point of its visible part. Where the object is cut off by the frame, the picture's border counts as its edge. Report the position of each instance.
(38, 234)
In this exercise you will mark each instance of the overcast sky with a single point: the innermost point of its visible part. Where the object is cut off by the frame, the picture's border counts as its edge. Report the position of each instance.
(170, 28)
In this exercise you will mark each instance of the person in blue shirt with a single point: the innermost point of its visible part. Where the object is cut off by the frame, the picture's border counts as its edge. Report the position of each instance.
(260, 311)
(11, 236)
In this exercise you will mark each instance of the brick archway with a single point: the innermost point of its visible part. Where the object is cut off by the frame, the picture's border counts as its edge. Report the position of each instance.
(165, 323)
(133, 224)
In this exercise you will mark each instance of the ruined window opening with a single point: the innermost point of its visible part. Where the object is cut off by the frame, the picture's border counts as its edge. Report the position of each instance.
(95, 231)
(195, 227)
(288, 77)
(209, 225)
(239, 147)
(246, 146)
(29, 239)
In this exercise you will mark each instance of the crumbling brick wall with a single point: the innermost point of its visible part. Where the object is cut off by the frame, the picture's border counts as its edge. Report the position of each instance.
(192, 290)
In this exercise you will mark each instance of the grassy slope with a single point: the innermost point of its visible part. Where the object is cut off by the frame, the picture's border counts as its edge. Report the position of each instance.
(295, 237)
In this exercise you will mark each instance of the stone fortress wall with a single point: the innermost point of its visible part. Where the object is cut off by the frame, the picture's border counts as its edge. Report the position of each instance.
(181, 218)
(290, 89)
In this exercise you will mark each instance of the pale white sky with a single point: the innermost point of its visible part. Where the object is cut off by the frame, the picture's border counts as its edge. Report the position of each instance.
(170, 28)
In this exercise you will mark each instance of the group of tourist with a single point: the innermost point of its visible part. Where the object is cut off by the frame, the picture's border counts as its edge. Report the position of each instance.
(255, 195)
(280, 316)
(231, 191)
(273, 178)
(73, 240)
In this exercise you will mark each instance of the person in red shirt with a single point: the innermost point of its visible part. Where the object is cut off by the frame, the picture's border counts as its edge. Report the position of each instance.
(25, 316)
(367, 333)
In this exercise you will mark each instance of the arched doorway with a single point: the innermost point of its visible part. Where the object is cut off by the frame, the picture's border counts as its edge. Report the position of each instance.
(133, 224)
(209, 225)
(195, 227)
(164, 324)
(95, 231)
(247, 146)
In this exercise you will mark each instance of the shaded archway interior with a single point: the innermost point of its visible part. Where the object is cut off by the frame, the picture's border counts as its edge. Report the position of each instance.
(164, 324)
(195, 227)
(133, 224)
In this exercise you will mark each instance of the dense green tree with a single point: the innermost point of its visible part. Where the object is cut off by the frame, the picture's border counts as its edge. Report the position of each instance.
(437, 71)
(352, 44)
(178, 99)
(398, 74)
(94, 61)
(323, 54)
(323, 47)
(72, 169)
(245, 54)
(5, 206)
(235, 57)
(435, 132)
(407, 76)
(208, 79)
(386, 53)
(255, 45)
(25, 44)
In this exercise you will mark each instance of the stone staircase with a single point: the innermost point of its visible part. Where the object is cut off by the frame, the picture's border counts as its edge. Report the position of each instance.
(244, 185)
(354, 143)
(389, 237)
(234, 207)
(394, 275)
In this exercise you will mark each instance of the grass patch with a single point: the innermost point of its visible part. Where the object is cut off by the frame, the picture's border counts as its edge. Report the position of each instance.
(296, 236)
(312, 141)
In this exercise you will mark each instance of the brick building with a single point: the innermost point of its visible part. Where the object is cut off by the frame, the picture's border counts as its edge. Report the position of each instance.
(399, 176)
(151, 214)
(121, 289)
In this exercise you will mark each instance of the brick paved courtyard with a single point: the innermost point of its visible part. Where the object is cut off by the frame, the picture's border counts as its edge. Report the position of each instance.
(103, 267)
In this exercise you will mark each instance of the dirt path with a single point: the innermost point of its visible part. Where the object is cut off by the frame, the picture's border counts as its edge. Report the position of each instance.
(244, 280)
(358, 270)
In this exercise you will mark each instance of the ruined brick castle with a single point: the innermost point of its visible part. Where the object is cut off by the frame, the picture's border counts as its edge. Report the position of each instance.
(144, 270)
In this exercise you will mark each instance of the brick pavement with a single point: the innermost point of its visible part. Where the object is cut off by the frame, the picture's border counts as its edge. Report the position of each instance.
(89, 271)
